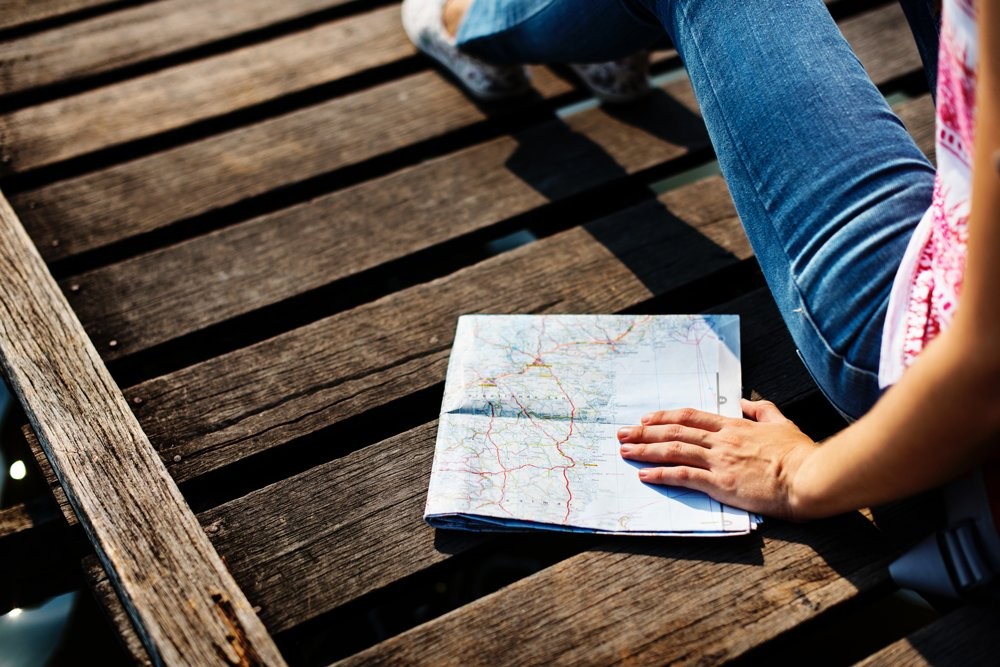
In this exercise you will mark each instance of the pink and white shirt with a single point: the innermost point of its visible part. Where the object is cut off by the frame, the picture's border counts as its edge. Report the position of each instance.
(927, 285)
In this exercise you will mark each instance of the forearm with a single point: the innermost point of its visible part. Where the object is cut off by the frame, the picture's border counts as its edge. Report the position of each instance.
(939, 421)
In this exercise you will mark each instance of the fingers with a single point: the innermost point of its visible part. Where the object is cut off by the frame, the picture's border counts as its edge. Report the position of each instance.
(674, 453)
(662, 433)
(762, 411)
(685, 417)
(689, 478)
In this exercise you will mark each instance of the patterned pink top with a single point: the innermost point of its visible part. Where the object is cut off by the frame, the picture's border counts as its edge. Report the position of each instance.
(929, 280)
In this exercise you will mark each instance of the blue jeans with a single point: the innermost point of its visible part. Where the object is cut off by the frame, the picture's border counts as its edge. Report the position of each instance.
(826, 180)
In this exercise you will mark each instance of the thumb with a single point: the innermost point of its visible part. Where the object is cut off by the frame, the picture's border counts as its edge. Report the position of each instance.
(762, 411)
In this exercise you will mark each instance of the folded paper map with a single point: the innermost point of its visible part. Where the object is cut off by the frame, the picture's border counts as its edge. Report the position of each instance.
(532, 403)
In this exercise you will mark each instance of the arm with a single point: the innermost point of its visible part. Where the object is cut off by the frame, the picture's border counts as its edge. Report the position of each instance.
(940, 420)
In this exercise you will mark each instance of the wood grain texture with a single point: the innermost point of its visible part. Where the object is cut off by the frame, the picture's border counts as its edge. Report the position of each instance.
(678, 602)
(27, 516)
(176, 587)
(15, 13)
(178, 96)
(918, 116)
(966, 637)
(132, 35)
(255, 398)
(152, 192)
(152, 298)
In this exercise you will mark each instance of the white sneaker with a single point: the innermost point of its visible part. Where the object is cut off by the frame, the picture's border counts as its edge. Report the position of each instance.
(423, 23)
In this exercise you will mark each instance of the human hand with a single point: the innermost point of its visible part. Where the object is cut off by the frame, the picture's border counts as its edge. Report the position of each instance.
(748, 463)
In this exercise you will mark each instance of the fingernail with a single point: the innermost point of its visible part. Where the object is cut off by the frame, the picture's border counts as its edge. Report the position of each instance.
(624, 433)
(643, 474)
(626, 449)
(645, 419)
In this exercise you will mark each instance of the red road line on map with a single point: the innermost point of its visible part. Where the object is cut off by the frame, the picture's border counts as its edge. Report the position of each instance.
(572, 418)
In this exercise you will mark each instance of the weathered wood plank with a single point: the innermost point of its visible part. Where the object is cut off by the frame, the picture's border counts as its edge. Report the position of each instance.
(967, 637)
(255, 398)
(152, 192)
(151, 298)
(132, 35)
(15, 13)
(286, 542)
(178, 96)
(27, 516)
(918, 116)
(108, 205)
(176, 587)
(657, 602)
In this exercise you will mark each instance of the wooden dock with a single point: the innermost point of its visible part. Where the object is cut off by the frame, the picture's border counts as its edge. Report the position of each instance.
(250, 229)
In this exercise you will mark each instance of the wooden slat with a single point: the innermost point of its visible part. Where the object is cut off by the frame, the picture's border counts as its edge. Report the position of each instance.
(149, 193)
(148, 299)
(15, 13)
(212, 413)
(363, 512)
(967, 637)
(27, 516)
(377, 504)
(108, 205)
(177, 588)
(656, 602)
(255, 398)
(178, 96)
(154, 191)
(130, 36)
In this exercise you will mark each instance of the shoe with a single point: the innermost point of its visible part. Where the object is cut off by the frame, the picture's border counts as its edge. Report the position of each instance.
(617, 81)
(423, 23)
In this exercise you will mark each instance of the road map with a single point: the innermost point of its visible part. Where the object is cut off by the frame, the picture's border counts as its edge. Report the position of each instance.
(532, 404)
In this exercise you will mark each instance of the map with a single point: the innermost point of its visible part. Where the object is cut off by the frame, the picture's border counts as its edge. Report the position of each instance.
(532, 404)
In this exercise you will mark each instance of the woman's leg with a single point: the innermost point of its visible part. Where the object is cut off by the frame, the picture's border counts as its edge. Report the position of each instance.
(826, 180)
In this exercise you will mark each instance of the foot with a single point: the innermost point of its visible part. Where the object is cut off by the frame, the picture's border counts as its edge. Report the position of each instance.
(424, 23)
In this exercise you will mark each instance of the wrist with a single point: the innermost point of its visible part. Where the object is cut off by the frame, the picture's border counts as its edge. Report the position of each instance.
(804, 499)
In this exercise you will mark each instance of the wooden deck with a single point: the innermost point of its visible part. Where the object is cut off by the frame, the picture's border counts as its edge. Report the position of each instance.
(267, 216)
